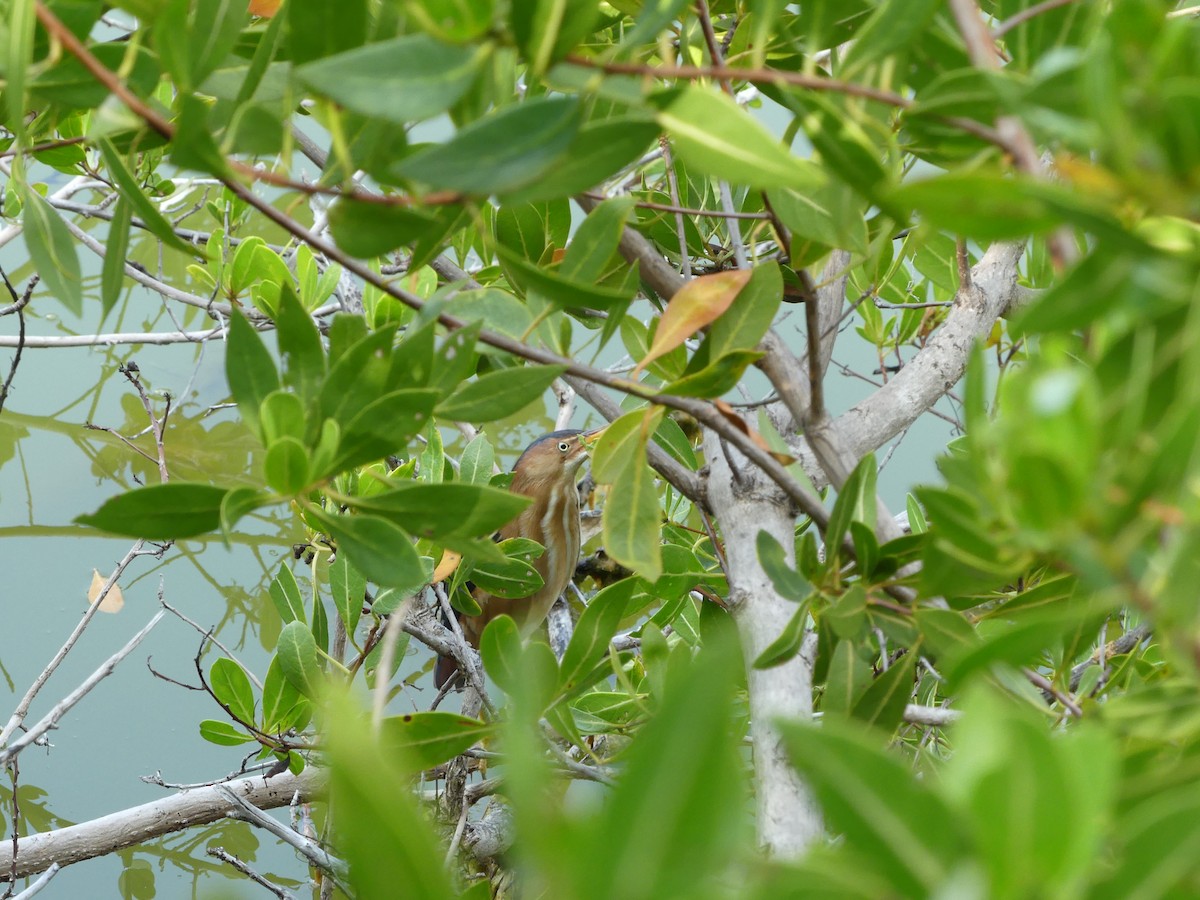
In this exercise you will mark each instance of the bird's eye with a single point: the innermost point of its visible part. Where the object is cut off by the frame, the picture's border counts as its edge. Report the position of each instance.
(563, 446)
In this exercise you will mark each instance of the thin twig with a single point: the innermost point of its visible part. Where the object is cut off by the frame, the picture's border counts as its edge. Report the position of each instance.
(55, 342)
(309, 848)
(220, 853)
(42, 880)
(732, 229)
(685, 258)
(157, 425)
(1026, 14)
(387, 657)
(16, 360)
(22, 710)
(208, 636)
(932, 304)
(1122, 645)
(1040, 681)
(51, 719)
(673, 207)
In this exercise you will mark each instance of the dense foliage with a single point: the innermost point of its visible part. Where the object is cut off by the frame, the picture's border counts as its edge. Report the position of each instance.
(669, 210)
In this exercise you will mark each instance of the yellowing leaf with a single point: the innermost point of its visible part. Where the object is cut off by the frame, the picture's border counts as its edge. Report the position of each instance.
(698, 303)
(114, 600)
(446, 567)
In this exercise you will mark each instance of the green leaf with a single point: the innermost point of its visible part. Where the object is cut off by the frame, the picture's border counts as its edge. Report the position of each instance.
(231, 687)
(426, 739)
(161, 512)
(283, 706)
(716, 137)
(982, 206)
(848, 614)
(622, 444)
(883, 702)
(282, 415)
(367, 230)
(285, 594)
(498, 394)
(401, 80)
(874, 800)
(500, 648)
(916, 515)
(380, 549)
(598, 150)
(593, 631)
(551, 285)
(269, 44)
(596, 240)
(317, 28)
(193, 37)
(456, 358)
(501, 152)
(1022, 639)
(383, 427)
(19, 32)
(836, 211)
(717, 378)
(446, 510)
(373, 790)
(51, 249)
(112, 276)
(787, 581)
(788, 644)
(286, 466)
(546, 30)
(300, 348)
(651, 20)
(1160, 844)
(237, 503)
(670, 436)
(847, 680)
(453, 20)
(194, 146)
(349, 590)
(671, 817)
(1033, 795)
(223, 734)
(632, 522)
(478, 459)
(297, 655)
(866, 547)
(131, 191)
(947, 632)
(893, 26)
(249, 369)
(431, 464)
(513, 579)
(844, 148)
(855, 502)
(745, 323)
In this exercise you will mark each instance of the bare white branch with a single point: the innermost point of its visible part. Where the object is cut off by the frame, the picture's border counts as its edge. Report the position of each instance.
(51, 719)
(129, 827)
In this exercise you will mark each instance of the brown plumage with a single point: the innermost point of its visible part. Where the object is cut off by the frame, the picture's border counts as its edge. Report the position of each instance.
(546, 472)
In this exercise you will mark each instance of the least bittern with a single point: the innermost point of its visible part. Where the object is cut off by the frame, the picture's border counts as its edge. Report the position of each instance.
(545, 472)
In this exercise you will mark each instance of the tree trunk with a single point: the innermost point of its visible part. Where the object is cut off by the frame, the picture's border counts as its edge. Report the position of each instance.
(788, 819)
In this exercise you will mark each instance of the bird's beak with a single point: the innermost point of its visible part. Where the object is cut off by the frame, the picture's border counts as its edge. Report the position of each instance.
(589, 438)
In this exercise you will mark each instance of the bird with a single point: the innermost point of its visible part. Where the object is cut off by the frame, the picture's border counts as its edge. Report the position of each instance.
(545, 473)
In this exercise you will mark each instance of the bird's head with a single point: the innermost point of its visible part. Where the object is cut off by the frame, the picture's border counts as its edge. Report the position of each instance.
(553, 457)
